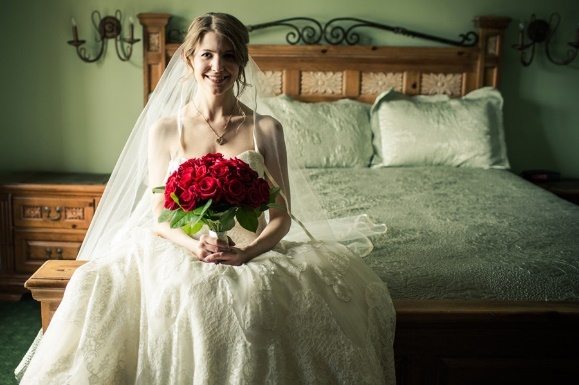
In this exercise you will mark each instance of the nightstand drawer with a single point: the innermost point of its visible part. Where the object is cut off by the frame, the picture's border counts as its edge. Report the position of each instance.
(33, 248)
(49, 212)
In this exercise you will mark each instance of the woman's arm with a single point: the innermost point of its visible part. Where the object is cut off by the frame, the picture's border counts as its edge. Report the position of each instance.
(274, 152)
(161, 135)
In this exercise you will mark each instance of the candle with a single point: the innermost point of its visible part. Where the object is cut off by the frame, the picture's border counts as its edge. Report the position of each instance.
(521, 33)
(74, 30)
(132, 28)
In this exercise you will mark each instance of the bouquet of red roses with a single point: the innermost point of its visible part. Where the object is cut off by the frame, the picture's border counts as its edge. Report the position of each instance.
(214, 191)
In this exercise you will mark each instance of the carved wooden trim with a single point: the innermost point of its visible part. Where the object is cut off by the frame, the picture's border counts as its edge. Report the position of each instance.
(448, 84)
(271, 82)
(31, 212)
(374, 83)
(74, 213)
(154, 42)
(493, 45)
(322, 83)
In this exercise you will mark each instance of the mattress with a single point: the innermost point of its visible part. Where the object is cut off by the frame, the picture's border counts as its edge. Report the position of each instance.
(458, 233)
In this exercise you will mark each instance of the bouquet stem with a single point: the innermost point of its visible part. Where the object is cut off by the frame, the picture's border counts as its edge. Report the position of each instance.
(221, 235)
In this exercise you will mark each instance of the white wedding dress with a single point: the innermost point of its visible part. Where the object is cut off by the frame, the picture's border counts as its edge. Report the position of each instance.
(149, 313)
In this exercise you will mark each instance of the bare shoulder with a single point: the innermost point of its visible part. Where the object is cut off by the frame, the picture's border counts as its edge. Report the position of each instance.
(164, 127)
(268, 126)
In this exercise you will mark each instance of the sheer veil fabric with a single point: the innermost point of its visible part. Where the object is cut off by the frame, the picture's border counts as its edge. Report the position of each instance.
(124, 203)
(143, 311)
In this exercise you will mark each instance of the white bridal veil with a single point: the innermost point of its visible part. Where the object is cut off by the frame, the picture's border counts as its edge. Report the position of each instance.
(126, 203)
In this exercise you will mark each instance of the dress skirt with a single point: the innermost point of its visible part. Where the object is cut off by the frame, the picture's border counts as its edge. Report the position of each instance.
(150, 313)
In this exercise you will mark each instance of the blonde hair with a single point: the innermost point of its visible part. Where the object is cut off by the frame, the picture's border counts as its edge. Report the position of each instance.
(226, 26)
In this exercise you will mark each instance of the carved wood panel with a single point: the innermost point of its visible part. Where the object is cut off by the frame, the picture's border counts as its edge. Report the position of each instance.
(322, 83)
(373, 83)
(448, 84)
(271, 82)
(49, 212)
(154, 42)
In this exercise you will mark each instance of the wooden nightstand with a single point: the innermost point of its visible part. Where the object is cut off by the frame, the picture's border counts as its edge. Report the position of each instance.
(43, 216)
(566, 188)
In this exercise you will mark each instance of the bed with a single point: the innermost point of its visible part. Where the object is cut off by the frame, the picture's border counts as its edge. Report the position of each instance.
(483, 267)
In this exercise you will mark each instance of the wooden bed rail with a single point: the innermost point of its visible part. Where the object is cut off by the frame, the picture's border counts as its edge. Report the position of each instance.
(443, 342)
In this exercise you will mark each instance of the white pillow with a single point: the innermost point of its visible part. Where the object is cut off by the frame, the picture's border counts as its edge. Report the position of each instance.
(325, 134)
(438, 130)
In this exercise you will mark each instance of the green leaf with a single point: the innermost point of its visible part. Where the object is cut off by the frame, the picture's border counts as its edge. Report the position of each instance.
(166, 215)
(179, 214)
(192, 229)
(175, 198)
(247, 218)
(200, 211)
(188, 218)
(213, 225)
(158, 189)
(227, 220)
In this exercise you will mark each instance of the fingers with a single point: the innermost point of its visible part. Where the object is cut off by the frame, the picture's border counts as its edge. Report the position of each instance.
(214, 258)
(212, 250)
(224, 258)
(212, 245)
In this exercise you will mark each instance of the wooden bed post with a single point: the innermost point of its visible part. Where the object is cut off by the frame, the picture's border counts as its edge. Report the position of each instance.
(491, 35)
(154, 53)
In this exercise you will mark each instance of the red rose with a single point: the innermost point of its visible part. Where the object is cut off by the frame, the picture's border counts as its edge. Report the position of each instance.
(209, 188)
(186, 174)
(253, 199)
(221, 170)
(263, 188)
(201, 171)
(245, 173)
(210, 159)
(236, 162)
(189, 199)
(234, 191)
(171, 187)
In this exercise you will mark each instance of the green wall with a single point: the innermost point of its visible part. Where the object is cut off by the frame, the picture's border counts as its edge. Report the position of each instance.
(58, 113)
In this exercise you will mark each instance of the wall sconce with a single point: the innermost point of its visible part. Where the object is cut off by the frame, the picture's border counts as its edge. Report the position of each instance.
(540, 31)
(108, 27)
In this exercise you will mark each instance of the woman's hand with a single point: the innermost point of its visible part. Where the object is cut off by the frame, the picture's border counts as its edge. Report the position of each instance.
(212, 250)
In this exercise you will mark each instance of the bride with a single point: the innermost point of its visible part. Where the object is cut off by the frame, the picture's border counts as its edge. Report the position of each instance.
(155, 306)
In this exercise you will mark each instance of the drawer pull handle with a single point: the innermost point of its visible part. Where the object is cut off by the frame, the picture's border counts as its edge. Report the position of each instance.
(48, 253)
(55, 217)
(59, 253)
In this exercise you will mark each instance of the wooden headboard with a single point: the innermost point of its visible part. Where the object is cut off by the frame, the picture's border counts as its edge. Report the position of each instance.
(330, 72)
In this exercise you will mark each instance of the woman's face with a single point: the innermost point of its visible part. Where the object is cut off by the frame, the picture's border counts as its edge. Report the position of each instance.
(214, 64)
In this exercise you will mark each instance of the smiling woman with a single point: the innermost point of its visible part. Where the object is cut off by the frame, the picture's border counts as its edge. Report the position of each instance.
(214, 64)
(157, 306)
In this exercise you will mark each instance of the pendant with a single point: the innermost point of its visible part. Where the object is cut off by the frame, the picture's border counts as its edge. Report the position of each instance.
(220, 140)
